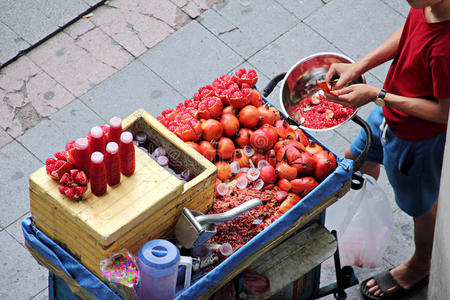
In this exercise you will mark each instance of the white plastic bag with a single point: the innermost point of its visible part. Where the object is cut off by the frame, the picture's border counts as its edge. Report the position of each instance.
(363, 221)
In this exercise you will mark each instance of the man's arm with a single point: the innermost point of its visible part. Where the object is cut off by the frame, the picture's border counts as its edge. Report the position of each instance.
(383, 53)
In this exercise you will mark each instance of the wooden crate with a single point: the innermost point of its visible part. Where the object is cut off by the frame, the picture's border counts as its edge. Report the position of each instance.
(142, 207)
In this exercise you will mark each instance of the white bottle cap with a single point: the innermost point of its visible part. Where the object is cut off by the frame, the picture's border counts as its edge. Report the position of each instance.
(126, 137)
(81, 144)
(112, 147)
(96, 132)
(97, 157)
(115, 122)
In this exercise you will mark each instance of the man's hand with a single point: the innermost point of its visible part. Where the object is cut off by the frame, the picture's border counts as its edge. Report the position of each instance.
(345, 71)
(353, 96)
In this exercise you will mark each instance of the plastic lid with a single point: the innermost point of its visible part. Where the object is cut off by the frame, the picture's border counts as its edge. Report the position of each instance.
(115, 122)
(97, 157)
(126, 137)
(81, 144)
(96, 132)
(112, 147)
(226, 249)
(159, 254)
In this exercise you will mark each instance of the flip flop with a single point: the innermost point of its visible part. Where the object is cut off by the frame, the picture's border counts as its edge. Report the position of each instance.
(388, 286)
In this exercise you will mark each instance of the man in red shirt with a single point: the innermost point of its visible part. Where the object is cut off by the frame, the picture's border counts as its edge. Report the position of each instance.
(409, 129)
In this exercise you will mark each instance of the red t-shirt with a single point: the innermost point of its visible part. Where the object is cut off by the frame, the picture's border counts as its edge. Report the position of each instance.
(421, 70)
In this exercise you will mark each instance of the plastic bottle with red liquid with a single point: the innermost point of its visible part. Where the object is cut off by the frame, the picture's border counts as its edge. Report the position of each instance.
(112, 163)
(115, 130)
(98, 174)
(82, 155)
(97, 140)
(126, 152)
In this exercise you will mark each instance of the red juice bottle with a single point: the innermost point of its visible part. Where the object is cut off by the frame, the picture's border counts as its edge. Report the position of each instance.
(115, 130)
(82, 155)
(112, 163)
(98, 174)
(126, 152)
(97, 141)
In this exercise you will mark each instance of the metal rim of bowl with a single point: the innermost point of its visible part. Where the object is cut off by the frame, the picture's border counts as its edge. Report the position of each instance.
(295, 66)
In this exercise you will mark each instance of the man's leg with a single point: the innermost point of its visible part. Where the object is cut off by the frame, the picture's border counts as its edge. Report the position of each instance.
(418, 265)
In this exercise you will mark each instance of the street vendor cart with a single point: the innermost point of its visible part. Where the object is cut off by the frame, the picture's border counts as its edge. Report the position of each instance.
(70, 238)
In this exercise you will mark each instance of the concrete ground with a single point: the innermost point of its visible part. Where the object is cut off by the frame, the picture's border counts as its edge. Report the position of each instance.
(135, 54)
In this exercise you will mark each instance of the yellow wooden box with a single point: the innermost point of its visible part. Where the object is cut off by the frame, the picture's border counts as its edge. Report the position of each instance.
(142, 207)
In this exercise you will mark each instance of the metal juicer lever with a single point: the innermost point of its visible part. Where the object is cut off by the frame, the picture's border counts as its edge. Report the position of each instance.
(229, 215)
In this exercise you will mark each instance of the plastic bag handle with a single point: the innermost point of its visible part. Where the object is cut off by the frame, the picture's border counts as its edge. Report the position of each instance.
(363, 155)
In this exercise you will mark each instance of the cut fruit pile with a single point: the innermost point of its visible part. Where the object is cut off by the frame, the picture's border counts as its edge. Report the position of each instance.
(250, 143)
(316, 112)
(67, 169)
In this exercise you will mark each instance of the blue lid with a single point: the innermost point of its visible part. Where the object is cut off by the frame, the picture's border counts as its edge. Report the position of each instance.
(159, 254)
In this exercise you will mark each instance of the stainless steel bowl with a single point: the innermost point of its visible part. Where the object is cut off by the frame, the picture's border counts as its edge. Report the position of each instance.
(300, 80)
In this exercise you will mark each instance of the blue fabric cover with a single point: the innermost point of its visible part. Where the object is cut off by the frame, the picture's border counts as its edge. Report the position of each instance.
(39, 241)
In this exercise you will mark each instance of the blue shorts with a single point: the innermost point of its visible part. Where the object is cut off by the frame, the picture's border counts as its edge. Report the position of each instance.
(413, 168)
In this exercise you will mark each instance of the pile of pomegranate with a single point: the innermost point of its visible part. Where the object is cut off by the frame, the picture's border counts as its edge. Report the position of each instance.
(251, 144)
(316, 112)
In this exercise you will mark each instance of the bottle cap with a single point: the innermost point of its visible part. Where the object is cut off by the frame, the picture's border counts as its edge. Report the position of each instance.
(97, 157)
(81, 144)
(96, 132)
(126, 137)
(112, 147)
(115, 122)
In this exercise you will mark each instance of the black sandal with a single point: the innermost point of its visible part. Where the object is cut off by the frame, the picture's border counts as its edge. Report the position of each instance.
(388, 286)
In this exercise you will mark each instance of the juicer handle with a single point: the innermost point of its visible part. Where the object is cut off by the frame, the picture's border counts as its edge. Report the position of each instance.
(231, 214)
(272, 84)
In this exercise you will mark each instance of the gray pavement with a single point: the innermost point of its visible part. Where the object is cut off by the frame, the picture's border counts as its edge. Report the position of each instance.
(269, 36)
(25, 23)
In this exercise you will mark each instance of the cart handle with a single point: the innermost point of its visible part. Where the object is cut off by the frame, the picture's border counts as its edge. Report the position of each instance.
(362, 156)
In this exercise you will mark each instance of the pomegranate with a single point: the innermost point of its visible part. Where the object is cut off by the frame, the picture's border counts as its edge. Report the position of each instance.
(238, 99)
(289, 202)
(302, 186)
(241, 158)
(284, 130)
(225, 148)
(301, 137)
(305, 164)
(276, 113)
(242, 76)
(313, 147)
(230, 124)
(255, 98)
(268, 174)
(284, 185)
(325, 164)
(284, 170)
(230, 110)
(223, 170)
(243, 137)
(261, 141)
(266, 115)
(210, 108)
(212, 130)
(73, 184)
(271, 132)
(268, 156)
(194, 145)
(207, 150)
(218, 181)
(249, 116)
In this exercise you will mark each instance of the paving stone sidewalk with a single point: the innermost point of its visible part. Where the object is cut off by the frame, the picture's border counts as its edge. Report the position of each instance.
(132, 54)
